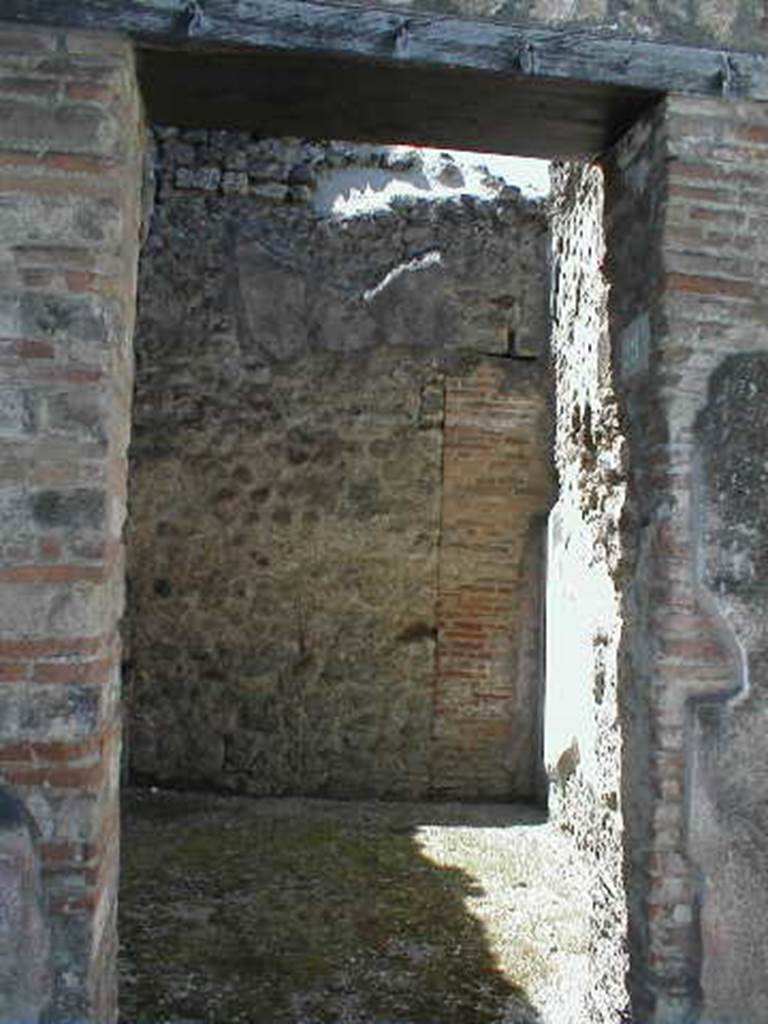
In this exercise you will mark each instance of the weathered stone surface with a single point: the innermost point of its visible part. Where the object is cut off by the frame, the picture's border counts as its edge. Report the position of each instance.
(18, 413)
(80, 507)
(49, 610)
(702, 22)
(32, 220)
(682, 667)
(70, 127)
(730, 820)
(315, 547)
(583, 724)
(635, 182)
(287, 492)
(57, 712)
(42, 316)
(25, 975)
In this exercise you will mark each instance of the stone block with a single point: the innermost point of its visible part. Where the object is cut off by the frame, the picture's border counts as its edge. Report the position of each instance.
(39, 220)
(14, 512)
(235, 182)
(18, 413)
(37, 316)
(63, 128)
(81, 507)
(207, 179)
(38, 610)
(81, 413)
(58, 713)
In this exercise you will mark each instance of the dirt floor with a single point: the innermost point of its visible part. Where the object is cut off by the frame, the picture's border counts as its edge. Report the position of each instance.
(296, 911)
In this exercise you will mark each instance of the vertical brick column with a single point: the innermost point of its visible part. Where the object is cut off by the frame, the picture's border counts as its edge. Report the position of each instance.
(687, 200)
(70, 173)
(497, 485)
(709, 874)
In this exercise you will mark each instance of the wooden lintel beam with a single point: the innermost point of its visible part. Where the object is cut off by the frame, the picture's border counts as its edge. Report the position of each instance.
(408, 38)
(313, 96)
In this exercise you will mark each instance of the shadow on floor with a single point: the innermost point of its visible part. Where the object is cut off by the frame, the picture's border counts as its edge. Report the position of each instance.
(302, 912)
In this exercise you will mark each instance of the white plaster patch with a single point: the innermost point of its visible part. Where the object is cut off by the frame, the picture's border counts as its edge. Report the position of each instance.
(429, 259)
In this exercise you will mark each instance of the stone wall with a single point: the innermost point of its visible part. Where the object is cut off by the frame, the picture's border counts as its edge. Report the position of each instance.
(737, 24)
(685, 258)
(312, 610)
(583, 735)
(70, 174)
(636, 192)
(668, 807)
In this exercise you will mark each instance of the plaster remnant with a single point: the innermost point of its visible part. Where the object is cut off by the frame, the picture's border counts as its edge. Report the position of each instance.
(429, 259)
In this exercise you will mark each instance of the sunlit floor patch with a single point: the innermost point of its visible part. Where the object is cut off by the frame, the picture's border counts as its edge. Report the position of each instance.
(312, 912)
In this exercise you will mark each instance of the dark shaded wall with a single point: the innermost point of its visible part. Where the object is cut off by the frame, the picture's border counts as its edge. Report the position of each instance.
(635, 197)
(287, 552)
(730, 798)
(25, 969)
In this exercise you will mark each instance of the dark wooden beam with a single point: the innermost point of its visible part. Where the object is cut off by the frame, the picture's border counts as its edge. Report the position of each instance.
(317, 97)
(410, 38)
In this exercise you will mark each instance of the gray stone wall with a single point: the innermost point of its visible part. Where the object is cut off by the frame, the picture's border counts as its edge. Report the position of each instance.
(286, 489)
(738, 24)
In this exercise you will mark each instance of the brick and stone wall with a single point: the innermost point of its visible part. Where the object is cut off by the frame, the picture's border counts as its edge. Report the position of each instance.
(670, 799)
(685, 200)
(70, 173)
(336, 467)
(708, 878)
(683, 691)
(25, 967)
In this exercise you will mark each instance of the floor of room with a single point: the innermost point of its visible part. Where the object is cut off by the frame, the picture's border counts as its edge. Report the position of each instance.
(306, 911)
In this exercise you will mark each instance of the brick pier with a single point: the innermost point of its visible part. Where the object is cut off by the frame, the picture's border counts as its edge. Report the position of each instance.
(70, 174)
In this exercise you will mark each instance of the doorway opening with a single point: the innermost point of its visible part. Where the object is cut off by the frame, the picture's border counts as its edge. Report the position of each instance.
(340, 473)
(342, 467)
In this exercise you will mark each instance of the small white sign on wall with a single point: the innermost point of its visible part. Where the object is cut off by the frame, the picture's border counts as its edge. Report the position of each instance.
(635, 346)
